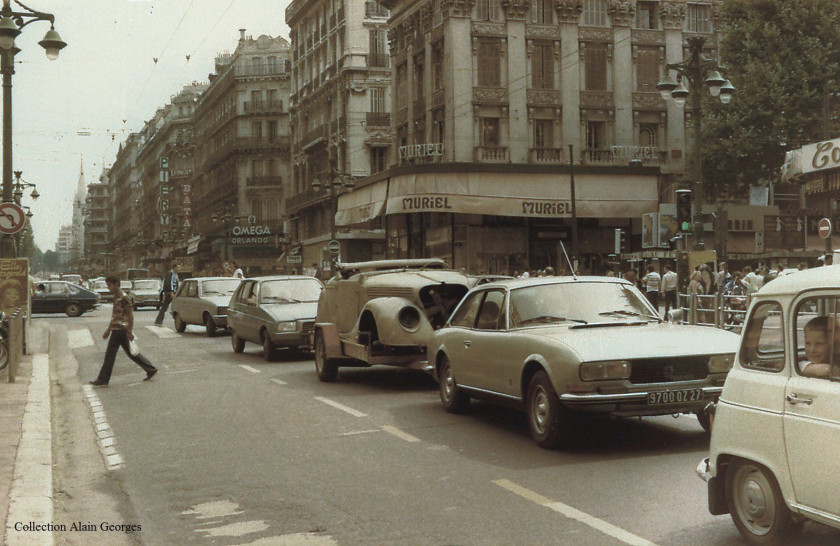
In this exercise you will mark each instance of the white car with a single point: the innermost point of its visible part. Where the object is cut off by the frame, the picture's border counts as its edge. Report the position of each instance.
(776, 430)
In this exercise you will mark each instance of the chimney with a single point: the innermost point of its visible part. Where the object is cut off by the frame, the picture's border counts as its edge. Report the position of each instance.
(241, 34)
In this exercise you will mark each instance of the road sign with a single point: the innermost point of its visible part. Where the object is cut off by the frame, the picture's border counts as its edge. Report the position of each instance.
(334, 247)
(824, 228)
(12, 218)
(294, 259)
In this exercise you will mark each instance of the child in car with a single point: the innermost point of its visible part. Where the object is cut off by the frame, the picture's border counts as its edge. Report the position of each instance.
(817, 348)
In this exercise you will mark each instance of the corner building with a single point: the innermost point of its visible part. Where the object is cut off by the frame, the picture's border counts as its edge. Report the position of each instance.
(487, 98)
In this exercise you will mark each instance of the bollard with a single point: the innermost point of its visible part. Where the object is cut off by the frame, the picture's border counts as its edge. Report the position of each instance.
(718, 310)
(692, 309)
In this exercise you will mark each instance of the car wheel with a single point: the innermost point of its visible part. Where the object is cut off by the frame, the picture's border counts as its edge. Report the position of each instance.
(548, 420)
(73, 309)
(454, 399)
(209, 325)
(326, 368)
(269, 350)
(756, 504)
(705, 421)
(237, 342)
(180, 325)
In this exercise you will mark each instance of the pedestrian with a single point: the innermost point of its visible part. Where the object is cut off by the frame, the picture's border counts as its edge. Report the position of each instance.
(651, 282)
(754, 282)
(669, 289)
(722, 277)
(120, 331)
(167, 290)
(631, 276)
(227, 269)
(549, 271)
(237, 271)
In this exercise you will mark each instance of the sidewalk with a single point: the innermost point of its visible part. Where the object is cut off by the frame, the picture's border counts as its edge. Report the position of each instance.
(12, 405)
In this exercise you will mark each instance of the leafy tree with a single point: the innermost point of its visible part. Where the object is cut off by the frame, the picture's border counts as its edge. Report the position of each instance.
(783, 57)
(50, 261)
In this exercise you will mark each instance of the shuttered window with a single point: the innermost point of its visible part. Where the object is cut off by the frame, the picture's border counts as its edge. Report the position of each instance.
(595, 57)
(489, 62)
(542, 66)
(647, 69)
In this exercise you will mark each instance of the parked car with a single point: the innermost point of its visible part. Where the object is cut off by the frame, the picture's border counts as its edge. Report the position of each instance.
(383, 312)
(145, 293)
(73, 279)
(776, 426)
(555, 346)
(63, 297)
(275, 312)
(203, 300)
(101, 288)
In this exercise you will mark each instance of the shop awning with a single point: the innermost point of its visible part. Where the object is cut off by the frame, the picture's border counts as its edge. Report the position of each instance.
(362, 204)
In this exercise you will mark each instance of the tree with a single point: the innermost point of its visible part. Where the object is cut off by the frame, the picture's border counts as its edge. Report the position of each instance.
(783, 57)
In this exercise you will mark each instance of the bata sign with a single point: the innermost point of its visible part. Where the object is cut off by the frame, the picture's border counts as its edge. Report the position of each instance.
(251, 235)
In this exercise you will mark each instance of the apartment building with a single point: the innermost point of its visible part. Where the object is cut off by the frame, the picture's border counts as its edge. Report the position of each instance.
(97, 220)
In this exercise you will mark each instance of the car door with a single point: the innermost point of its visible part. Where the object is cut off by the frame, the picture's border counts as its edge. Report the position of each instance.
(812, 410)
(246, 310)
(56, 297)
(192, 314)
(458, 336)
(493, 354)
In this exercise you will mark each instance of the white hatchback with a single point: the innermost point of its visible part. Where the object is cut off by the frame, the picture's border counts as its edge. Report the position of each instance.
(776, 431)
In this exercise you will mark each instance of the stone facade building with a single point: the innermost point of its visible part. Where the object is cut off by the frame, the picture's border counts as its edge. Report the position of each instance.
(97, 219)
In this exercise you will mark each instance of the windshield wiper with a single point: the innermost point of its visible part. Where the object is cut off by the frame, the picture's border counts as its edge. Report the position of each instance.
(627, 313)
(550, 318)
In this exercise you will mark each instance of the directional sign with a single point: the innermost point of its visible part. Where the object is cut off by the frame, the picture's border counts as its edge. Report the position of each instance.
(12, 218)
(824, 228)
(334, 247)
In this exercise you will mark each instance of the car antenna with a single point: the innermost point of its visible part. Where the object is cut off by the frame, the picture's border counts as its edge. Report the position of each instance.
(568, 261)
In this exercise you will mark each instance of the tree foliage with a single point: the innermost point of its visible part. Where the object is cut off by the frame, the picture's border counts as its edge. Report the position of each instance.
(783, 57)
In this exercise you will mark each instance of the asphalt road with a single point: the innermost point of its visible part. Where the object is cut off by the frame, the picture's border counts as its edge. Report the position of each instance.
(225, 448)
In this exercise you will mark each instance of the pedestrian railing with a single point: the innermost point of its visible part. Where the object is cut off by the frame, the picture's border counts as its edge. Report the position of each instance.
(717, 310)
(12, 347)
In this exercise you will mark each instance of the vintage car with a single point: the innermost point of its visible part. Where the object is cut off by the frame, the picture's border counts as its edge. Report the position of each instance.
(203, 300)
(101, 288)
(63, 297)
(776, 428)
(556, 346)
(145, 293)
(383, 312)
(275, 312)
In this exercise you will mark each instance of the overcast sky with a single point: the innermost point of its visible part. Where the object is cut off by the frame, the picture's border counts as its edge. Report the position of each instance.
(106, 84)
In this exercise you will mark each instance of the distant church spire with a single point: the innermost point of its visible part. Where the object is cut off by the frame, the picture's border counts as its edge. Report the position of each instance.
(81, 187)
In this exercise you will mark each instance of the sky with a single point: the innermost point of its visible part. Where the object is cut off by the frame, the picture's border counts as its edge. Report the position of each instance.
(76, 110)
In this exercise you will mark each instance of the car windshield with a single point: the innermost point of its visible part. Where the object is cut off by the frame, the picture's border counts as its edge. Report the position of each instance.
(125, 285)
(147, 285)
(99, 285)
(578, 302)
(290, 291)
(221, 287)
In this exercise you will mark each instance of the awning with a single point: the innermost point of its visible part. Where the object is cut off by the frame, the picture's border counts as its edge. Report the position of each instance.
(535, 195)
(362, 204)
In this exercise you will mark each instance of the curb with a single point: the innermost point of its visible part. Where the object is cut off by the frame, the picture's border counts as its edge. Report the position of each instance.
(31, 494)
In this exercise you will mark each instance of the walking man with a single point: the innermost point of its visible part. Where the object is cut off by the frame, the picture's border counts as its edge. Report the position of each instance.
(651, 283)
(167, 290)
(120, 330)
(669, 289)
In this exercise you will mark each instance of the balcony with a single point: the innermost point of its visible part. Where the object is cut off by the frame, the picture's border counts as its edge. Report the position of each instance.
(378, 60)
(263, 106)
(303, 199)
(375, 9)
(546, 155)
(378, 119)
(264, 181)
(261, 70)
(249, 143)
(623, 155)
(491, 154)
(310, 137)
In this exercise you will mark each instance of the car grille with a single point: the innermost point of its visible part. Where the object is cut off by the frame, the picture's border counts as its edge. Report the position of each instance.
(222, 311)
(665, 370)
(389, 292)
(307, 327)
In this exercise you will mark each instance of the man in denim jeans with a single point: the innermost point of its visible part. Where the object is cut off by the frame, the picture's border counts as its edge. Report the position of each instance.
(167, 290)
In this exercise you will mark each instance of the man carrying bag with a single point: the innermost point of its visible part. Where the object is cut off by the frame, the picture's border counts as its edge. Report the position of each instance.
(167, 291)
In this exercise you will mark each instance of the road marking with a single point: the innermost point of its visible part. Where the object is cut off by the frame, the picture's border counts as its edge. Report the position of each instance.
(400, 434)
(249, 368)
(79, 338)
(357, 432)
(104, 433)
(342, 407)
(161, 331)
(573, 513)
(277, 381)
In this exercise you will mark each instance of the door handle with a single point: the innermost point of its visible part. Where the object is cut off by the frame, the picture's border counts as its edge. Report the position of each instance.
(794, 399)
(467, 343)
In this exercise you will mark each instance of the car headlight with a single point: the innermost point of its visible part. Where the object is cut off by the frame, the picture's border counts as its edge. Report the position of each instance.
(721, 363)
(608, 369)
(287, 326)
(409, 318)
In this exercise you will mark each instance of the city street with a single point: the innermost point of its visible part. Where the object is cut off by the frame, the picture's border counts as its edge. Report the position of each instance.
(225, 448)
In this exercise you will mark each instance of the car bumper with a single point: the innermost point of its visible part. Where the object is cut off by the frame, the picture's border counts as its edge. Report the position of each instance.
(636, 403)
(220, 321)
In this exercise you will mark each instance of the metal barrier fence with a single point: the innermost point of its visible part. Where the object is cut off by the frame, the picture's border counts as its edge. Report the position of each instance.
(717, 310)
(14, 342)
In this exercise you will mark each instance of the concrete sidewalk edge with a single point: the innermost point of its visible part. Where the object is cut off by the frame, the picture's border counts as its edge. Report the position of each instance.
(31, 495)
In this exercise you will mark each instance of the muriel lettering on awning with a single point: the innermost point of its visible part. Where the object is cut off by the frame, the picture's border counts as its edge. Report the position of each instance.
(436, 203)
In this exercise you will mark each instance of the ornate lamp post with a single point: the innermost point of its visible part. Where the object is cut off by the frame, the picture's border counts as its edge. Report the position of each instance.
(11, 25)
(697, 70)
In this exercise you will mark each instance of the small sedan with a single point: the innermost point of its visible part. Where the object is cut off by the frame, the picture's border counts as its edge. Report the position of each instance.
(560, 346)
(63, 297)
(203, 300)
(274, 312)
(145, 293)
(101, 288)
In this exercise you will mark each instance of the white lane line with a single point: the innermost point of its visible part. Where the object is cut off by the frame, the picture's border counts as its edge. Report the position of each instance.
(277, 381)
(573, 513)
(249, 368)
(162, 331)
(79, 338)
(342, 407)
(104, 432)
(400, 434)
(357, 432)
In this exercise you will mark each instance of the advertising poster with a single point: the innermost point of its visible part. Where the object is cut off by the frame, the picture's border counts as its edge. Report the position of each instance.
(649, 225)
(14, 284)
(667, 229)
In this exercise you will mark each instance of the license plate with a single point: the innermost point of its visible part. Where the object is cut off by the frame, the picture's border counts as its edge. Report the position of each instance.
(675, 397)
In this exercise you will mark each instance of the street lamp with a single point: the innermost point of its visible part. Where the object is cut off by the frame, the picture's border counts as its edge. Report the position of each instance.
(697, 70)
(11, 25)
(339, 179)
(19, 186)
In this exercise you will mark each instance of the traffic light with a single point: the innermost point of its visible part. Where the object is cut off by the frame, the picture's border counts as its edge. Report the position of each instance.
(684, 211)
(620, 241)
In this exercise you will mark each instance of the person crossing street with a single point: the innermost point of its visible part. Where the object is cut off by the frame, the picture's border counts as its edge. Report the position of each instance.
(167, 290)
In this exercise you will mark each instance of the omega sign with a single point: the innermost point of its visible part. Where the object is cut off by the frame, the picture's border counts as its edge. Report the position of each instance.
(251, 234)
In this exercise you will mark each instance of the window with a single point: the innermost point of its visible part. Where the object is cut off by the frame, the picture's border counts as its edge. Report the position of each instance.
(438, 125)
(272, 130)
(595, 137)
(646, 17)
(763, 344)
(377, 99)
(490, 132)
(378, 56)
(699, 18)
(541, 11)
(378, 159)
(464, 316)
(418, 79)
(817, 334)
(647, 69)
(489, 63)
(543, 133)
(542, 66)
(595, 58)
(191, 290)
(437, 65)
(487, 10)
(647, 134)
(595, 13)
(256, 98)
(491, 316)
(256, 129)
(402, 86)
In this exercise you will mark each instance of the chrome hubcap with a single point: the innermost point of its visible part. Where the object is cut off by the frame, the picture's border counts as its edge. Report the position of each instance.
(448, 384)
(540, 409)
(756, 504)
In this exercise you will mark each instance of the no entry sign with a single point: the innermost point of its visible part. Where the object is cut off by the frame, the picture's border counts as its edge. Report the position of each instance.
(824, 228)
(11, 218)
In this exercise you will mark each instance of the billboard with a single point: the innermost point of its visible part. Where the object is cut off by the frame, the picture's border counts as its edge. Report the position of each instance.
(14, 284)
